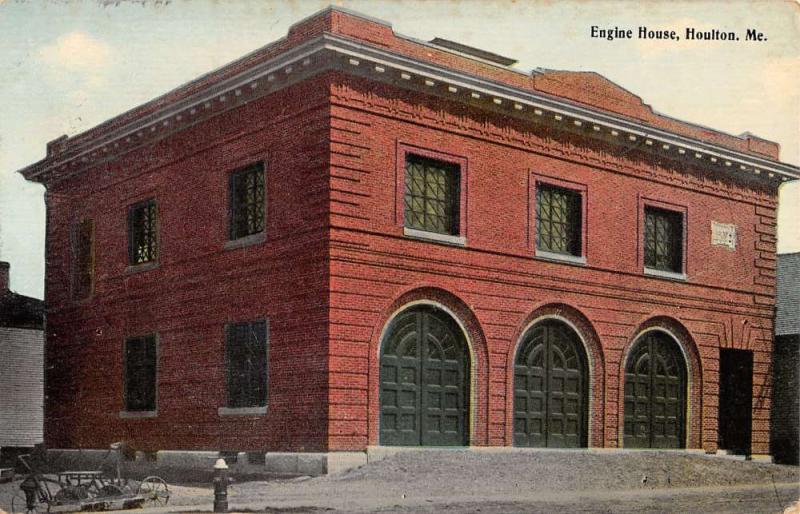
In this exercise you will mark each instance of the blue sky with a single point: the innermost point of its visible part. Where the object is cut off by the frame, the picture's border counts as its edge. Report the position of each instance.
(67, 66)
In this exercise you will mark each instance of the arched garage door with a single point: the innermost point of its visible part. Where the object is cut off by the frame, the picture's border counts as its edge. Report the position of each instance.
(424, 381)
(550, 388)
(655, 393)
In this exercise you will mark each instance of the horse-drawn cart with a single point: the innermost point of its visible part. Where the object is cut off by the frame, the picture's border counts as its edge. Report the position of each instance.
(71, 491)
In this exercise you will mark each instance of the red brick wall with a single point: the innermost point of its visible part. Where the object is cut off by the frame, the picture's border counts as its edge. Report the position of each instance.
(198, 286)
(336, 266)
(496, 287)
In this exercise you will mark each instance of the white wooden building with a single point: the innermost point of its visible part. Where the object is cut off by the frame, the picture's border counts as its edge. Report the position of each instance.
(21, 366)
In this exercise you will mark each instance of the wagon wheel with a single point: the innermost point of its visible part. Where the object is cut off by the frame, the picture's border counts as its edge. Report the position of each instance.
(154, 490)
(20, 506)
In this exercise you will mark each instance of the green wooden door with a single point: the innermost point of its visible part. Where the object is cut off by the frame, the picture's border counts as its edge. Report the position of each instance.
(550, 388)
(655, 394)
(424, 381)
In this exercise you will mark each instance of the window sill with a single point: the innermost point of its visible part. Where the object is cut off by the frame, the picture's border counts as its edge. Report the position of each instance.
(252, 239)
(242, 411)
(138, 268)
(138, 414)
(669, 275)
(561, 258)
(434, 237)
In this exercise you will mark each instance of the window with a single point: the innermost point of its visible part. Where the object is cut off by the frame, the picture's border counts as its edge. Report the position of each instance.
(558, 220)
(143, 232)
(663, 240)
(431, 195)
(247, 201)
(246, 362)
(140, 374)
(83, 259)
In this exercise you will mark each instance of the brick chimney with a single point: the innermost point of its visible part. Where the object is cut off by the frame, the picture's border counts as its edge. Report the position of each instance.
(4, 267)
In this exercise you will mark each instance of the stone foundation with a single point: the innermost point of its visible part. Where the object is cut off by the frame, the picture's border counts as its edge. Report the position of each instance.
(198, 465)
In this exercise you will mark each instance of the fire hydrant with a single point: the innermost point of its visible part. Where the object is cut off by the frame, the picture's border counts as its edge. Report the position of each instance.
(220, 486)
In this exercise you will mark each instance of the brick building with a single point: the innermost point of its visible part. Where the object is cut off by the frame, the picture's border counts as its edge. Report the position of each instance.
(352, 238)
(21, 369)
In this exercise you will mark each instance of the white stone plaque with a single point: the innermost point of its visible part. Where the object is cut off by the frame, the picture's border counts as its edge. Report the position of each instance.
(723, 234)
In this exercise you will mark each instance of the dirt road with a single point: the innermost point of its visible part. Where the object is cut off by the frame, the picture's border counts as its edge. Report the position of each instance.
(516, 481)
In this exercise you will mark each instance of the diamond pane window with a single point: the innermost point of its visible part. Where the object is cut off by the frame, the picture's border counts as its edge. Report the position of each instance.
(140, 374)
(558, 220)
(83, 261)
(247, 201)
(143, 232)
(246, 361)
(431, 196)
(663, 240)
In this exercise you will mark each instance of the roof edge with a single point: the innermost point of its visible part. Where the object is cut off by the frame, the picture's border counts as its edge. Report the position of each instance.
(211, 83)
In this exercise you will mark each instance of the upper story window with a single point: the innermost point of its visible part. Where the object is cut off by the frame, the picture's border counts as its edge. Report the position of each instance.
(247, 201)
(663, 240)
(140, 374)
(246, 363)
(558, 220)
(432, 195)
(83, 259)
(143, 232)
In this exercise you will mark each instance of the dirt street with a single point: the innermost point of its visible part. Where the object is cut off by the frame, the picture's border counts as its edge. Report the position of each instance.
(516, 481)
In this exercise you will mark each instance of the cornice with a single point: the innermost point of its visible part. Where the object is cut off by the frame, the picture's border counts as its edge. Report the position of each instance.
(601, 157)
(66, 158)
(465, 86)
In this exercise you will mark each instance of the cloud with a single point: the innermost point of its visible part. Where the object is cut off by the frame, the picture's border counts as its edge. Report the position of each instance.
(76, 65)
(77, 51)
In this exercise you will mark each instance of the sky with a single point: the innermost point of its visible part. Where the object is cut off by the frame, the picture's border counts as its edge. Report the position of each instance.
(67, 66)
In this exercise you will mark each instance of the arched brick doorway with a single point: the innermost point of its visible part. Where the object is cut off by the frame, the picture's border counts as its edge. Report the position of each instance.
(655, 393)
(551, 381)
(424, 380)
